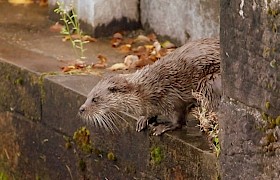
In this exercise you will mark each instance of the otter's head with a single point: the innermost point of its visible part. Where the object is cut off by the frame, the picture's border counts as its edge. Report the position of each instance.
(108, 101)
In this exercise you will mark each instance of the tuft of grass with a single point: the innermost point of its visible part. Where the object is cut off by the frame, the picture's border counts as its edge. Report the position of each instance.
(208, 120)
(72, 24)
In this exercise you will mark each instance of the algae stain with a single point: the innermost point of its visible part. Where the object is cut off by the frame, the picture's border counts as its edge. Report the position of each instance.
(111, 156)
(19, 81)
(156, 155)
(82, 165)
(82, 139)
(3, 176)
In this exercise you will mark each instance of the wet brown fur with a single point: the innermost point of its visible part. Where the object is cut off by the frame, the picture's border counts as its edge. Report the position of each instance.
(163, 88)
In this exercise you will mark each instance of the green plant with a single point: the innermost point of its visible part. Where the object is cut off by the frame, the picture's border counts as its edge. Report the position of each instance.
(156, 155)
(208, 120)
(71, 23)
(3, 176)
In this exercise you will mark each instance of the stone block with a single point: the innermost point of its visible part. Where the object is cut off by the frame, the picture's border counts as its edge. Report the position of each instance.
(250, 53)
(181, 20)
(103, 17)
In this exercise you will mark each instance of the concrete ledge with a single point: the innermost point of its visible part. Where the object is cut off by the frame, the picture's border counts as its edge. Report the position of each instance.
(184, 153)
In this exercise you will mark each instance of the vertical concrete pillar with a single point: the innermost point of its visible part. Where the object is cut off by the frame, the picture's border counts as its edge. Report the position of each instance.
(249, 117)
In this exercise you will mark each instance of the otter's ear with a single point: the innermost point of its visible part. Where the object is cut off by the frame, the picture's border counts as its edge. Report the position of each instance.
(121, 85)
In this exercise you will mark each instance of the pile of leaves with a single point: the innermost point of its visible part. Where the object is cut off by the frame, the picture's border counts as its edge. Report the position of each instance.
(139, 50)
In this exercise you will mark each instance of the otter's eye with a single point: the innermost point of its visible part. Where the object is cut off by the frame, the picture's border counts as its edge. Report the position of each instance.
(93, 100)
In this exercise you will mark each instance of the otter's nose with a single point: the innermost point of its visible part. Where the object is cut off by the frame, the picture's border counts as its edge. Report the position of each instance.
(82, 109)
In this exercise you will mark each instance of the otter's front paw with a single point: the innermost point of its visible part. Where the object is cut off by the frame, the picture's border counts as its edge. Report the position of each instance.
(161, 128)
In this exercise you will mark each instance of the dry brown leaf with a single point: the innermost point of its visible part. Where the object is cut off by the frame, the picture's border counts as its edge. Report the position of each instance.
(153, 58)
(125, 48)
(116, 42)
(157, 46)
(142, 38)
(128, 41)
(130, 59)
(152, 37)
(168, 45)
(88, 38)
(67, 68)
(118, 36)
(17, 2)
(56, 27)
(140, 50)
(43, 3)
(118, 66)
(102, 62)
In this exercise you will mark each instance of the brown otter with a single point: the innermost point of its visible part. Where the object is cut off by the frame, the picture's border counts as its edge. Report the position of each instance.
(163, 88)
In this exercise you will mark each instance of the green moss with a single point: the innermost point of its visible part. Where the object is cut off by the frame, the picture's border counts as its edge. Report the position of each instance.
(68, 143)
(3, 176)
(111, 156)
(277, 121)
(273, 12)
(37, 177)
(19, 81)
(267, 105)
(82, 165)
(216, 144)
(156, 155)
(82, 139)
(273, 63)
(264, 116)
(98, 152)
(266, 52)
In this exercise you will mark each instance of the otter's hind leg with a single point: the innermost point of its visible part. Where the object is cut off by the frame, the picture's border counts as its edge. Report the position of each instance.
(144, 121)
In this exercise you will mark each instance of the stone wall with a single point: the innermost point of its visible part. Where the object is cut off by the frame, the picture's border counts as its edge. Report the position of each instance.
(102, 17)
(250, 110)
(178, 20)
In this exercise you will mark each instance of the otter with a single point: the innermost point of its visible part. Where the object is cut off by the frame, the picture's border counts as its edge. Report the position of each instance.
(163, 88)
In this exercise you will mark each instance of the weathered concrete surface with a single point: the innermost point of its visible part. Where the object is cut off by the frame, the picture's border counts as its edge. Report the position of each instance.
(103, 17)
(40, 130)
(30, 150)
(180, 19)
(250, 113)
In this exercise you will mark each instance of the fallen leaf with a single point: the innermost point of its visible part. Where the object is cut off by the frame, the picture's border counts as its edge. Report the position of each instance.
(102, 62)
(142, 38)
(116, 42)
(67, 68)
(130, 59)
(152, 37)
(125, 48)
(118, 36)
(43, 3)
(139, 50)
(56, 27)
(157, 46)
(149, 47)
(118, 66)
(88, 38)
(168, 45)
(16, 2)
